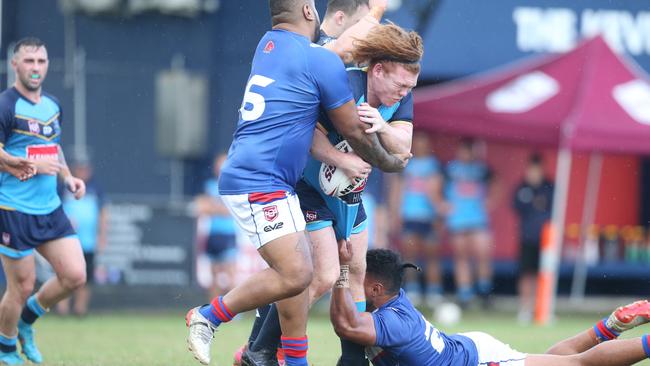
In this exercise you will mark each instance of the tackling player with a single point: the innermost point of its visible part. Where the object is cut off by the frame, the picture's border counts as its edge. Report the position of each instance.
(396, 333)
(382, 92)
(31, 216)
(290, 79)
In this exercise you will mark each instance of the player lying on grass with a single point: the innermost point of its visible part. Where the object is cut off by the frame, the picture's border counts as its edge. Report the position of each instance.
(395, 333)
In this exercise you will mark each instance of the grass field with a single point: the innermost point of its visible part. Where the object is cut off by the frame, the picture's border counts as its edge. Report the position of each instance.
(159, 339)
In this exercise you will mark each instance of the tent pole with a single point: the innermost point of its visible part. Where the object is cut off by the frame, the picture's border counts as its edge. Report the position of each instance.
(551, 251)
(589, 207)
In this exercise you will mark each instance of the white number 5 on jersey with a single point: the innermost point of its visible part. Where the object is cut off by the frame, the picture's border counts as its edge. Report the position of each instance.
(433, 335)
(254, 101)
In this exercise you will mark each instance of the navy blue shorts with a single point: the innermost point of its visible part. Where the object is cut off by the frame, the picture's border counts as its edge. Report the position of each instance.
(422, 229)
(21, 232)
(221, 247)
(318, 215)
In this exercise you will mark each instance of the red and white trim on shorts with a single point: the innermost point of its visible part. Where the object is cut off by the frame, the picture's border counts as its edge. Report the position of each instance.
(266, 216)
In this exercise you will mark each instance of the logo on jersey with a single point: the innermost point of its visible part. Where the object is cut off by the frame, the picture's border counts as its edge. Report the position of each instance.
(33, 126)
(269, 228)
(311, 216)
(269, 47)
(6, 238)
(271, 213)
(47, 130)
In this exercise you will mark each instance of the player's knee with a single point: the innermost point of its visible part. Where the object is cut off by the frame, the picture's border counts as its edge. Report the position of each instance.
(23, 290)
(74, 279)
(323, 281)
(297, 281)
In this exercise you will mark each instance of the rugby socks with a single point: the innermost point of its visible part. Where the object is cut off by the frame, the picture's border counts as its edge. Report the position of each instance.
(260, 317)
(484, 287)
(645, 340)
(217, 312)
(353, 354)
(465, 294)
(295, 351)
(270, 333)
(603, 332)
(434, 289)
(8, 344)
(412, 287)
(32, 311)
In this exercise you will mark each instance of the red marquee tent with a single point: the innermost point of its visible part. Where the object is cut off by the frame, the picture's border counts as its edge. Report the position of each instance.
(588, 99)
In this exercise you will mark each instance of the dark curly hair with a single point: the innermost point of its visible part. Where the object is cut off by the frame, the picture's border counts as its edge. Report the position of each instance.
(387, 267)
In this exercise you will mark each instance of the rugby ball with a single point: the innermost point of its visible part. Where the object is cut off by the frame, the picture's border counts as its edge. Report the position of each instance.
(334, 182)
(447, 314)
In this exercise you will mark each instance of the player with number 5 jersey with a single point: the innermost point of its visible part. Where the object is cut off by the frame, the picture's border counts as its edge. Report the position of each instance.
(291, 78)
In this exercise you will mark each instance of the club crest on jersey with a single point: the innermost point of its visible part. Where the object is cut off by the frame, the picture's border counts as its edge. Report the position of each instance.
(6, 238)
(33, 126)
(271, 213)
(269, 47)
(311, 216)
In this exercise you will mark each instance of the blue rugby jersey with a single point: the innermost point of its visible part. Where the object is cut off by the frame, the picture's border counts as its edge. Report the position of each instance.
(346, 208)
(405, 337)
(466, 190)
(290, 79)
(33, 131)
(219, 224)
(416, 204)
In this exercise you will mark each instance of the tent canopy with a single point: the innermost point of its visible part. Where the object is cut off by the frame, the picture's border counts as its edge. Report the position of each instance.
(587, 99)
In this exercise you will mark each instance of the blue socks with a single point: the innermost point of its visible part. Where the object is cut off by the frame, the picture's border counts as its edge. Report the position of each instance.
(8, 344)
(603, 332)
(217, 312)
(32, 311)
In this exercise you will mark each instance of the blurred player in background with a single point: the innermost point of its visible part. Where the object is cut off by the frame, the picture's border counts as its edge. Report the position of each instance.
(220, 245)
(31, 216)
(396, 333)
(415, 202)
(532, 201)
(89, 218)
(469, 192)
(290, 80)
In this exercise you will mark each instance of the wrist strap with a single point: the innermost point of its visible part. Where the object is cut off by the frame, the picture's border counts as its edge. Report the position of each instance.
(344, 279)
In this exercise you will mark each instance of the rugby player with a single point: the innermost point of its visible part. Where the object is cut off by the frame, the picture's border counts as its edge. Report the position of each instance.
(290, 79)
(396, 333)
(31, 216)
(382, 92)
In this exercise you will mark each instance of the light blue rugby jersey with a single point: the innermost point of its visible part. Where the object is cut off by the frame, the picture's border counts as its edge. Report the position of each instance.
(26, 126)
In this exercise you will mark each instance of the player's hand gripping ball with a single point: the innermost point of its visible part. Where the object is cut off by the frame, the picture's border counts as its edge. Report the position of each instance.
(334, 182)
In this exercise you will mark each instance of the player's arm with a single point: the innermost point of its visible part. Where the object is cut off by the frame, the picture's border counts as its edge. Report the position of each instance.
(347, 321)
(210, 206)
(21, 168)
(395, 136)
(345, 43)
(75, 185)
(336, 98)
(323, 151)
(367, 146)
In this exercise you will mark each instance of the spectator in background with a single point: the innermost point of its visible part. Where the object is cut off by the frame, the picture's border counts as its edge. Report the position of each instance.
(416, 194)
(220, 245)
(89, 218)
(469, 191)
(532, 202)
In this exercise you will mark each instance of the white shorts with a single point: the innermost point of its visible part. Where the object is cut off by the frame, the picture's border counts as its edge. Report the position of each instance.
(492, 351)
(266, 216)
